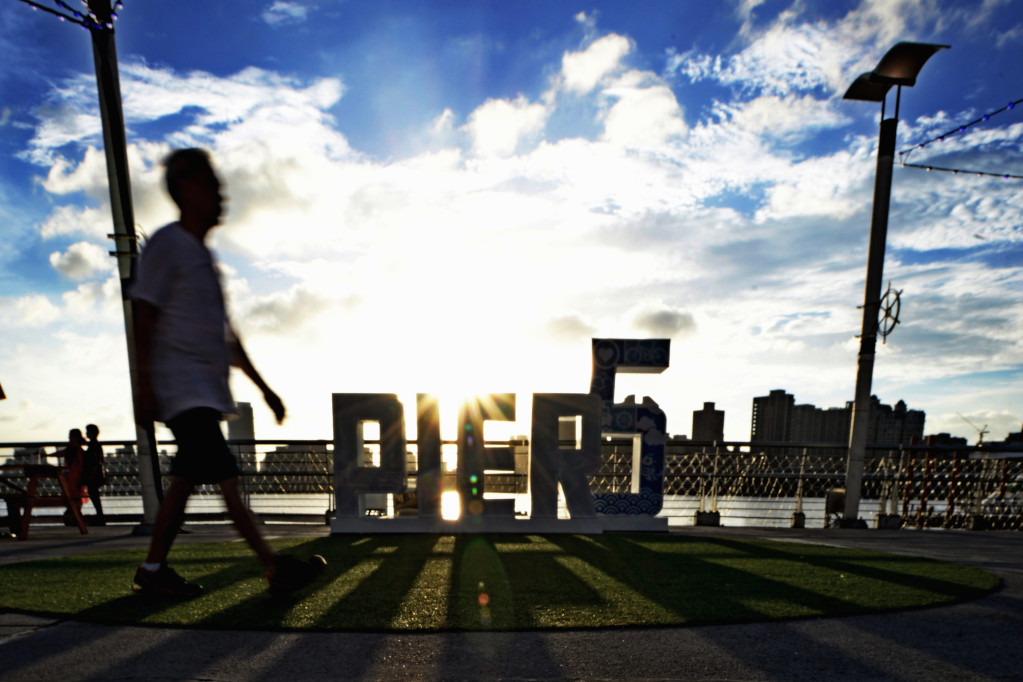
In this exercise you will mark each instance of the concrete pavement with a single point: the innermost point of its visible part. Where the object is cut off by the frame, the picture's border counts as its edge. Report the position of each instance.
(977, 640)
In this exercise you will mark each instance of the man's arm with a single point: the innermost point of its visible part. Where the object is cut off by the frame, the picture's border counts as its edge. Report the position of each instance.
(240, 359)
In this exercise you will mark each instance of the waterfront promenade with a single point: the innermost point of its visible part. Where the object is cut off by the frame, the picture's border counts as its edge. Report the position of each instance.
(976, 640)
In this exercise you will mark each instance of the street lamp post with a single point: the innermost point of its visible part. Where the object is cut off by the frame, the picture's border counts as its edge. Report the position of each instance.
(99, 20)
(900, 66)
(125, 246)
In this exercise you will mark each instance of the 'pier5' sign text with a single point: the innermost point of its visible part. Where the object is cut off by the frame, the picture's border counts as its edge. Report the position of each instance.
(552, 462)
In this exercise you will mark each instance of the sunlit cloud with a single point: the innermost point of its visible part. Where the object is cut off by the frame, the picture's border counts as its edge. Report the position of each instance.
(81, 260)
(642, 115)
(663, 322)
(499, 126)
(29, 311)
(281, 12)
(582, 71)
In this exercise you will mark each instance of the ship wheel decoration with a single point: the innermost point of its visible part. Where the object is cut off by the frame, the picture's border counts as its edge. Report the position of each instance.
(891, 304)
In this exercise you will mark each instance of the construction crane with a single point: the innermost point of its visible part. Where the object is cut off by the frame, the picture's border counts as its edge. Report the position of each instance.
(980, 431)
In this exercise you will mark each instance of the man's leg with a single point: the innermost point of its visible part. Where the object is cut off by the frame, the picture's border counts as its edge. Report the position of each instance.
(284, 572)
(169, 518)
(94, 496)
(14, 516)
(244, 522)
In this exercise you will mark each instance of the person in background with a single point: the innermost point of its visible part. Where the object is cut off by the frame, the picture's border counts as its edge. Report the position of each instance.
(93, 474)
(72, 459)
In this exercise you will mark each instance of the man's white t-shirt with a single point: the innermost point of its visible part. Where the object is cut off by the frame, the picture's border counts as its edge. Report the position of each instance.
(190, 357)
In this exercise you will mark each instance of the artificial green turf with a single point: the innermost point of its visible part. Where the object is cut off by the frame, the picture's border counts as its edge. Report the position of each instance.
(501, 582)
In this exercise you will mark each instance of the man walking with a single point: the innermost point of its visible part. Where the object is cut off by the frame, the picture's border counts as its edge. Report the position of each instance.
(93, 474)
(185, 346)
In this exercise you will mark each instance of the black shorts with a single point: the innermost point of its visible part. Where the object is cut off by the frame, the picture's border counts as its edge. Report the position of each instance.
(203, 455)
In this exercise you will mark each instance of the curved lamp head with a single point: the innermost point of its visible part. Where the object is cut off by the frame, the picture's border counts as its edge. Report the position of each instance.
(899, 66)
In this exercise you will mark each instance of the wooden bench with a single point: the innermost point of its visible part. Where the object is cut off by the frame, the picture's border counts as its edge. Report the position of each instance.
(25, 499)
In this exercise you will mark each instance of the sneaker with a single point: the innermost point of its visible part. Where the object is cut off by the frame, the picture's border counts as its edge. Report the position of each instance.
(291, 573)
(164, 582)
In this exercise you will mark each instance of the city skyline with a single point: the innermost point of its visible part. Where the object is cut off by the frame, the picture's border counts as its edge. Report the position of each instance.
(452, 200)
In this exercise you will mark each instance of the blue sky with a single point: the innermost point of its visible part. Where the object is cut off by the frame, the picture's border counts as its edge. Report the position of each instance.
(456, 197)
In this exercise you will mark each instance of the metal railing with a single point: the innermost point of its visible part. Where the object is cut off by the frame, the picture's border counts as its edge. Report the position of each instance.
(730, 483)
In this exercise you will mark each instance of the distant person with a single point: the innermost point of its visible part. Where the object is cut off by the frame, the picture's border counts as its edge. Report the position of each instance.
(93, 473)
(72, 459)
(71, 456)
(185, 347)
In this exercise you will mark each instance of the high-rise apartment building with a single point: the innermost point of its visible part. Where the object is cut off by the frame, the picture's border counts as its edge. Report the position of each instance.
(772, 417)
(709, 423)
(776, 418)
(242, 427)
(894, 425)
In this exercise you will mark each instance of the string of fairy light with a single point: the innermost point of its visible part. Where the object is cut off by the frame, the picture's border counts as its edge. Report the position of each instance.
(87, 19)
(904, 154)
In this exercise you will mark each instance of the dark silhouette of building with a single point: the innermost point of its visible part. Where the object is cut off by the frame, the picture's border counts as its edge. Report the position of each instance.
(242, 428)
(894, 425)
(708, 423)
(945, 438)
(776, 418)
(1015, 437)
(773, 415)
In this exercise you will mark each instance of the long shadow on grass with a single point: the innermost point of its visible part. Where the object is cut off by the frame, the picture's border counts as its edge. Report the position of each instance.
(256, 608)
(515, 582)
(696, 587)
(867, 565)
(509, 582)
(236, 594)
(377, 599)
(480, 594)
(216, 572)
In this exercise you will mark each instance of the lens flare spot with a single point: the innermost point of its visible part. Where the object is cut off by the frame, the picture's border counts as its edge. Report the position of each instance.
(450, 506)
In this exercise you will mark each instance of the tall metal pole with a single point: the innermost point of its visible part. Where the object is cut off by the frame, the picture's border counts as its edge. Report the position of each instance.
(871, 308)
(125, 247)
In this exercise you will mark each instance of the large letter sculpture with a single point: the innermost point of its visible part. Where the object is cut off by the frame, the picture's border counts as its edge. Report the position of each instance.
(429, 481)
(550, 465)
(351, 479)
(648, 420)
(475, 458)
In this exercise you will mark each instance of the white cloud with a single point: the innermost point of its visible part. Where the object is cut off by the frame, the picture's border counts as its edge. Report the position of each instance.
(29, 311)
(586, 20)
(986, 425)
(284, 312)
(251, 98)
(789, 118)
(61, 125)
(569, 329)
(89, 175)
(74, 220)
(642, 115)
(81, 261)
(95, 301)
(499, 126)
(83, 378)
(582, 71)
(792, 55)
(663, 322)
(817, 187)
(281, 12)
(1009, 36)
(444, 124)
